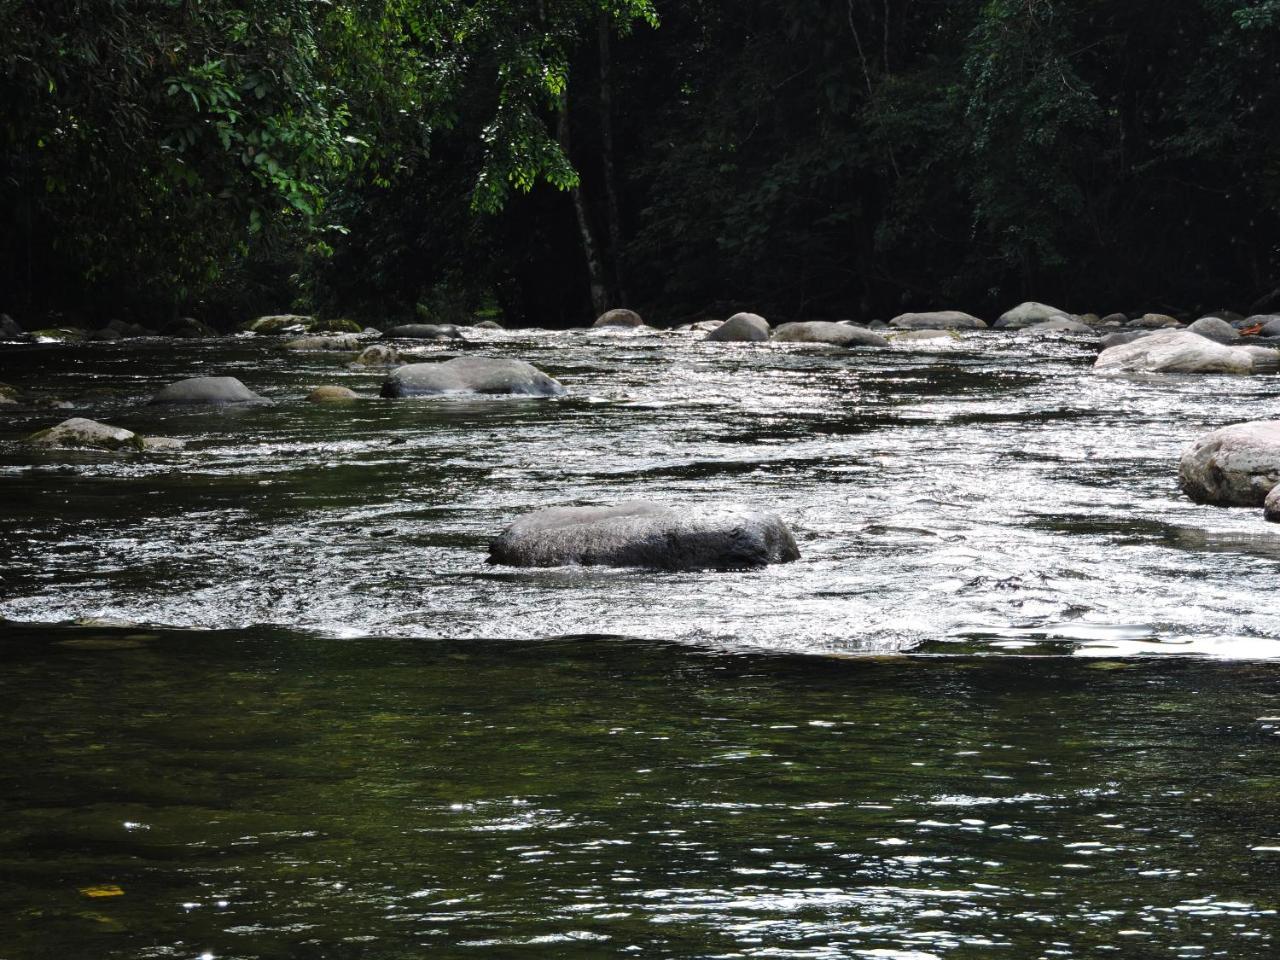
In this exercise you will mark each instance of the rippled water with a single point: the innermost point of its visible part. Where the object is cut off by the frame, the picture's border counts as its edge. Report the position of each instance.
(373, 745)
(988, 494)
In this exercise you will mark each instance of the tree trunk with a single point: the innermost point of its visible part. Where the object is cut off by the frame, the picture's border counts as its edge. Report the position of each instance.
(610, 178)
(595, 270)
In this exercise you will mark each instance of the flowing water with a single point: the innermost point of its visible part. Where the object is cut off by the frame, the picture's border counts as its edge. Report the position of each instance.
(1016, 699)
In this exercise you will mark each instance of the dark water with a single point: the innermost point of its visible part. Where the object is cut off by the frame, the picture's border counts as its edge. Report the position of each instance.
(333, 731)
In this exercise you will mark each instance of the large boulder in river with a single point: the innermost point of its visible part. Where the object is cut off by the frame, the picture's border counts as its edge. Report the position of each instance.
(81, 434)
(424, 331)
(639, 533)
(1179, 351)
(619, 318)
(208, 390)
(1028, 314)
(485, 375)
(937, 320)
(822, 331)
(1215, 329)
(741, 328)
(1235, 466)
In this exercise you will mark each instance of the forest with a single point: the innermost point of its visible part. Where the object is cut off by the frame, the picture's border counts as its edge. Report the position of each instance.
(538, 162)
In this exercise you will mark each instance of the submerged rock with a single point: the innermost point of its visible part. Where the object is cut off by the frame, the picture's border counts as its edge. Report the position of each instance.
(741, 328)
(424, 331)
(822, 331)
(344, 342)
(81, 434)
(331, 393)
(1235, 466)
(1028, 314)
(485, 375)
(1180, 351)
(378, 355)
(619, 318)
(640, 533)
(210, 390)
(937, 320)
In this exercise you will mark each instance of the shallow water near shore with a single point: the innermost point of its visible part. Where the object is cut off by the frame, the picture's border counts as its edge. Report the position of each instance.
(1018, 697)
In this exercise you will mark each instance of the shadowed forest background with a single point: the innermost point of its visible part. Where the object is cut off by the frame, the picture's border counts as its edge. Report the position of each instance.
(540, 161)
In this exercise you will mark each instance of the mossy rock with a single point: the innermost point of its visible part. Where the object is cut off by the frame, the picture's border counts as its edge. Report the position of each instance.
(278, 323)
(65, 334)
(81, 434)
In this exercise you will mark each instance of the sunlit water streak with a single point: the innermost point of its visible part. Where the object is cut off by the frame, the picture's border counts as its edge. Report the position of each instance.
(983, 493)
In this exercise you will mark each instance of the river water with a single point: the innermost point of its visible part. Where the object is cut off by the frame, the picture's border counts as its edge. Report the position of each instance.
(1014, 700)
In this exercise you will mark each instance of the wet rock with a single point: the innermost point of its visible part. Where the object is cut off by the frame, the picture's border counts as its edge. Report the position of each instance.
(834, 334)
(1155, 321)
(208, 390)
(741, 328)
(1179, 351)
(1215, 329)
(937, 320)
(1028, 314)
(1115, 320)
(639, 533)
(79, 433)
(330, 393)
(484, 375)
(1058, 325)
(1235, 466)
(424, 331)
(378, 355)
(700, 326)
(1271, 506)
(346, 342)
(334, 325)
(61, 334)
(877, 325)
(188, 328)
(619, 318)
(1270, 325)
(488, 325)
(1228, 316)
(1122, 337)
(278, 323)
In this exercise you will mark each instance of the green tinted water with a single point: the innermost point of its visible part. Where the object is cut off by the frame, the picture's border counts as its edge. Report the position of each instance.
(266, 795)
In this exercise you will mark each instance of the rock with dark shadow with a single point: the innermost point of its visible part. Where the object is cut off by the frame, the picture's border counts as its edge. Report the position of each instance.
(208, 390)
(485, 375)
(1237, 466)
(424, 331)
(640, 533)
(833, 334)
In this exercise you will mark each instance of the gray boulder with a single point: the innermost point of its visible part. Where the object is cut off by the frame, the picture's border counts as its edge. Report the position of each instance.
(1028, 314)
(1270, 325)
(1215, 329)
(1271, 506)
(639, 533)
(937, 320)
(1235, 466)
(424, 331)
(741, 328)
(1155, 321)
(834, 334)
(619, 318)
(1180, 351)
(1114, 320)
(1058, 324)
(208, 390)
(484, 375)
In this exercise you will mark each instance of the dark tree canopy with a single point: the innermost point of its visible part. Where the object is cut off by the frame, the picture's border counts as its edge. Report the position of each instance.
(387, 157)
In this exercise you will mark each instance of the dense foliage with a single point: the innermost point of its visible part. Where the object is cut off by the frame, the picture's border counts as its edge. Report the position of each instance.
(538, 159)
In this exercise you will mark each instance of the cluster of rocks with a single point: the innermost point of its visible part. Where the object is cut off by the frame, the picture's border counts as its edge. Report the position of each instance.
(1236, 466)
